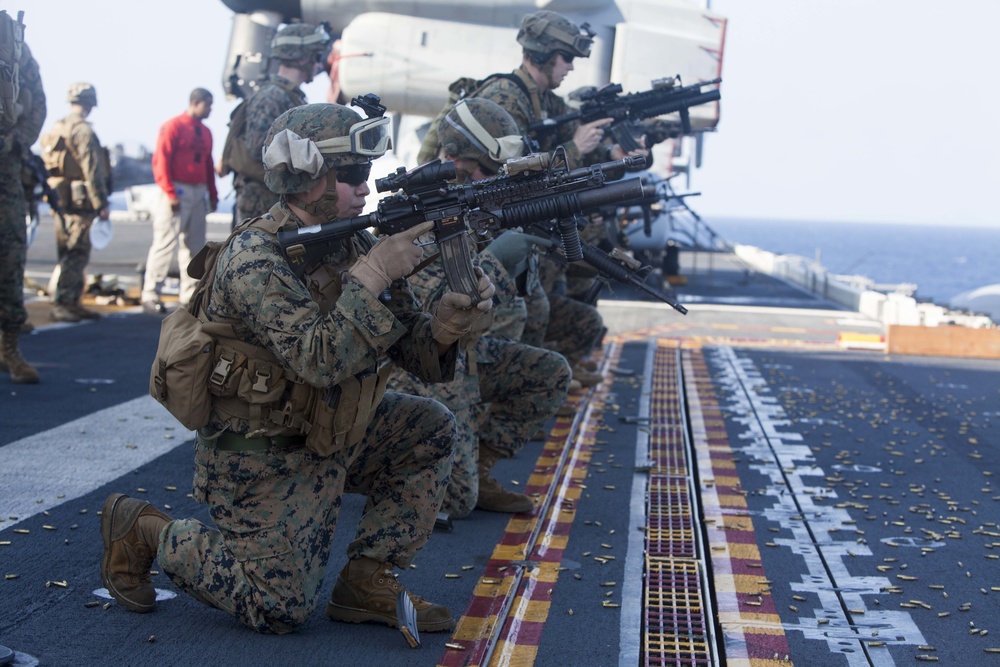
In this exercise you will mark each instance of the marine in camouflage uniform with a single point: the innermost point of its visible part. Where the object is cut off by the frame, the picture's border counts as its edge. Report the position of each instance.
(83, 162)
(299, 48)
(273, 496)
(14, 142)
(551, 42)
(502, 393)
(503, 390)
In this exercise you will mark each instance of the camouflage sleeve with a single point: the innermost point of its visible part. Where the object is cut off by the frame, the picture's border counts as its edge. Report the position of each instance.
(262, 110)
(417, 351)
(505, 285)
(29, 123)
(91, 159)
(255, 285)
(509, 95)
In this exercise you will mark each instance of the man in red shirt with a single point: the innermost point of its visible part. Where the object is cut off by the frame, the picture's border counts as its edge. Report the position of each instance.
(184, 170)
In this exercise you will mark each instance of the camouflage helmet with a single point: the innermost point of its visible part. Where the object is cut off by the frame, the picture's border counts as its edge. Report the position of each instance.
(307, 141)
(82, 93)
(300, 41)
(544, 32)
(481, 130)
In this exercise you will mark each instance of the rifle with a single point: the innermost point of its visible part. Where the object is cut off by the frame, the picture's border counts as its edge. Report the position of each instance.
(36, 166)
(525, 191)
(616, 266)
(627, 110)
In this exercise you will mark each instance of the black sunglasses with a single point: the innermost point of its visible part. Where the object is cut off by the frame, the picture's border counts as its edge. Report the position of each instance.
(354, 174)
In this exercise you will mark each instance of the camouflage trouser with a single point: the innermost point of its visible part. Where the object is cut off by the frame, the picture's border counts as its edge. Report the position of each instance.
(574, 328)
(276, 511)
(13, 243)
(73, 247)
(252, 199)
(519, 391)
(565, 325)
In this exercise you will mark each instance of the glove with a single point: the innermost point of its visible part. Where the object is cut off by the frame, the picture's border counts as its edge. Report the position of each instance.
(390, 259)
(512, 249)
(455, 314)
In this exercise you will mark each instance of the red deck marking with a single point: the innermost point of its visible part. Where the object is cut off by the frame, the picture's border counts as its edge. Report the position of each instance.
(750, 623)
(495, 623)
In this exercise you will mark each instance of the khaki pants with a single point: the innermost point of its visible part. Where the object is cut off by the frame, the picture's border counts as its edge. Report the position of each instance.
(182, 231)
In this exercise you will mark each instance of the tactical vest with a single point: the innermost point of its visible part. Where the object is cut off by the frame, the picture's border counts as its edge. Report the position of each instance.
(236, 157)
(459, 90)
(11, 40)
(249, 384)
(66, 175)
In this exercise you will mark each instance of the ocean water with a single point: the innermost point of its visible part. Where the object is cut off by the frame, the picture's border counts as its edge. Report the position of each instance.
(943, 261)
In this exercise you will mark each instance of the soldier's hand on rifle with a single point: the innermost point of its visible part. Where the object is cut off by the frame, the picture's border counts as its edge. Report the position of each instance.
(390, 259)
(512, 249)
(589, 135)
(455, 313)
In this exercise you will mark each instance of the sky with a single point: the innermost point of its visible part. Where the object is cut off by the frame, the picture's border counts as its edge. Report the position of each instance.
(834, 110)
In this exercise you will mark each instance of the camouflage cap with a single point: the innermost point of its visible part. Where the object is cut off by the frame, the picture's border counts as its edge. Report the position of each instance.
(544, 32)
(300, 41)
(467, 130)
(312, 122)
(82, 93)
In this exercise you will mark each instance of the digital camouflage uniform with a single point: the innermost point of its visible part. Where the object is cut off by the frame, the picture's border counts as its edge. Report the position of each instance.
(553, 321)
(263, 106)
(276, 510)
(13, 233)
(73, 230)
(502, 393)
(525, 110)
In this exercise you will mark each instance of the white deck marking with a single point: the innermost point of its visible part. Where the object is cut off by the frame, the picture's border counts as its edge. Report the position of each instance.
(72, 460)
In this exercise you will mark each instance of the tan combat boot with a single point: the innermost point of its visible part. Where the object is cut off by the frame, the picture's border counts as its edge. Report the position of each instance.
(492, 496)
(585, 377)
(21, 372)
(131, 531)
(366, 591)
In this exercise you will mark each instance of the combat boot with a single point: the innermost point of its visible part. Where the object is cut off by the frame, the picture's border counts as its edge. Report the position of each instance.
(585, 377)
(61, 313)
(131, 531)
(84, 313)
(21, 372)
(492, 496)
(366, 591)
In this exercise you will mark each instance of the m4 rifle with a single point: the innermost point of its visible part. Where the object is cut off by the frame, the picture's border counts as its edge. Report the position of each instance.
(525, 191)
(628, 110)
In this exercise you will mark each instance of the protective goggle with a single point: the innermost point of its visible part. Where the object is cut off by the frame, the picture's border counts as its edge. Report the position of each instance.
(317, 39)
(370, 137)
(499, 149)
(580, 43)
